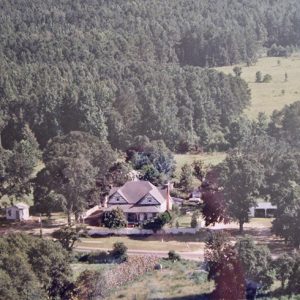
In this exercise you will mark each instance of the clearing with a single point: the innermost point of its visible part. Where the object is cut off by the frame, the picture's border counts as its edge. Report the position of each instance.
(212, 158)
(266, 97)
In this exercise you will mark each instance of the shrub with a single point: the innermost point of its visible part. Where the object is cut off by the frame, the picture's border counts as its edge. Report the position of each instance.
(114, 219)
(119, 251)
(173, 256)
(99, 257)
(158, 222)
(267, 78)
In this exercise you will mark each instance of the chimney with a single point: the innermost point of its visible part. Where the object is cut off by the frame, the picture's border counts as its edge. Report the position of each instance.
(105, 202)
(169, 204)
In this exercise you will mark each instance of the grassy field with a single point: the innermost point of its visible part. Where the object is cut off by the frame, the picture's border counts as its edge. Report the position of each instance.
(267, 97)
(175, 281)
(213, 158)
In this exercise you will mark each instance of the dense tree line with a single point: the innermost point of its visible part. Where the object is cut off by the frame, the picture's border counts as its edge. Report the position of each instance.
(33, 268)
(118, 69)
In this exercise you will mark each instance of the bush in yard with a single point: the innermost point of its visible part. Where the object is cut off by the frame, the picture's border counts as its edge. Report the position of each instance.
(158, 222)
(114, 219)
(173, 256)
(119, 251)
(99, 257)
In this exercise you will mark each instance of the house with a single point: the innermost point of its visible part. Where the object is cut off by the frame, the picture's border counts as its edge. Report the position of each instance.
(139, 200)
(263, 210)
(19, 212)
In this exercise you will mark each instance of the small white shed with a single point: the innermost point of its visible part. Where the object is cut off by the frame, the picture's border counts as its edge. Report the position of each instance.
(263, 210)
(19, 211)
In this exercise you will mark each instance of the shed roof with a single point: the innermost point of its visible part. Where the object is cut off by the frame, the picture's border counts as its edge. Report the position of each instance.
(21, 205)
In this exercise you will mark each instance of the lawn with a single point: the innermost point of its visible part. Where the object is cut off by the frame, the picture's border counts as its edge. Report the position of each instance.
(267, 97)
(175, 281)
(181, 243)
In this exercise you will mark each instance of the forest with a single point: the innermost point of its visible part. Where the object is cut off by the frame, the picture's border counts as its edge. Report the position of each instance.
(123, 69)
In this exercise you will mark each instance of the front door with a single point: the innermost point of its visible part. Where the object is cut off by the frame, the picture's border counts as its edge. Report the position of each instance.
(132, 218)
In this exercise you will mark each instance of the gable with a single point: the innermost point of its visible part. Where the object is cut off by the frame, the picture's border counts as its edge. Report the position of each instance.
(148, 200)
(116, 198)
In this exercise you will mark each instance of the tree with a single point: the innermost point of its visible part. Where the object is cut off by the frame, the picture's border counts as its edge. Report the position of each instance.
(267, 78)
(17, 166)
(238, 131)
(154, 159)
(67, 236)
(199, 169)
(287, 221)
(241, 177)
(72, 164)
(256, 262)
(214, 208)
(258, 77)
(32, 268)
(237, 71)
(293, 286)
(186, 178)
(46, 201)
(114, 218)
(283, 266)
(224, 267)
(51, 264)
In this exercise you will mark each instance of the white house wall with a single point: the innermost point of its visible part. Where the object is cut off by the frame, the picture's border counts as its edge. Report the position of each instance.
(23, 214)
(13, 213)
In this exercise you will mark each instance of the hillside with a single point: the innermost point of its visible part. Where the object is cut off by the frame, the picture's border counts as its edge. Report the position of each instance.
(123, 69)
(266, 97)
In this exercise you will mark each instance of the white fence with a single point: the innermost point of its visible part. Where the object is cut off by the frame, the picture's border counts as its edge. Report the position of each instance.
(138, 231)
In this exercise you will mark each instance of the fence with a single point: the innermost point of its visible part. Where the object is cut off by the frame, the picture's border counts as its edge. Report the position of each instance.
(138, 231)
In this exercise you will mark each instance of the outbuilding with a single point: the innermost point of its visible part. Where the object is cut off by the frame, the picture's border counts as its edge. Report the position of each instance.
(18, 212)
(263, 210)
